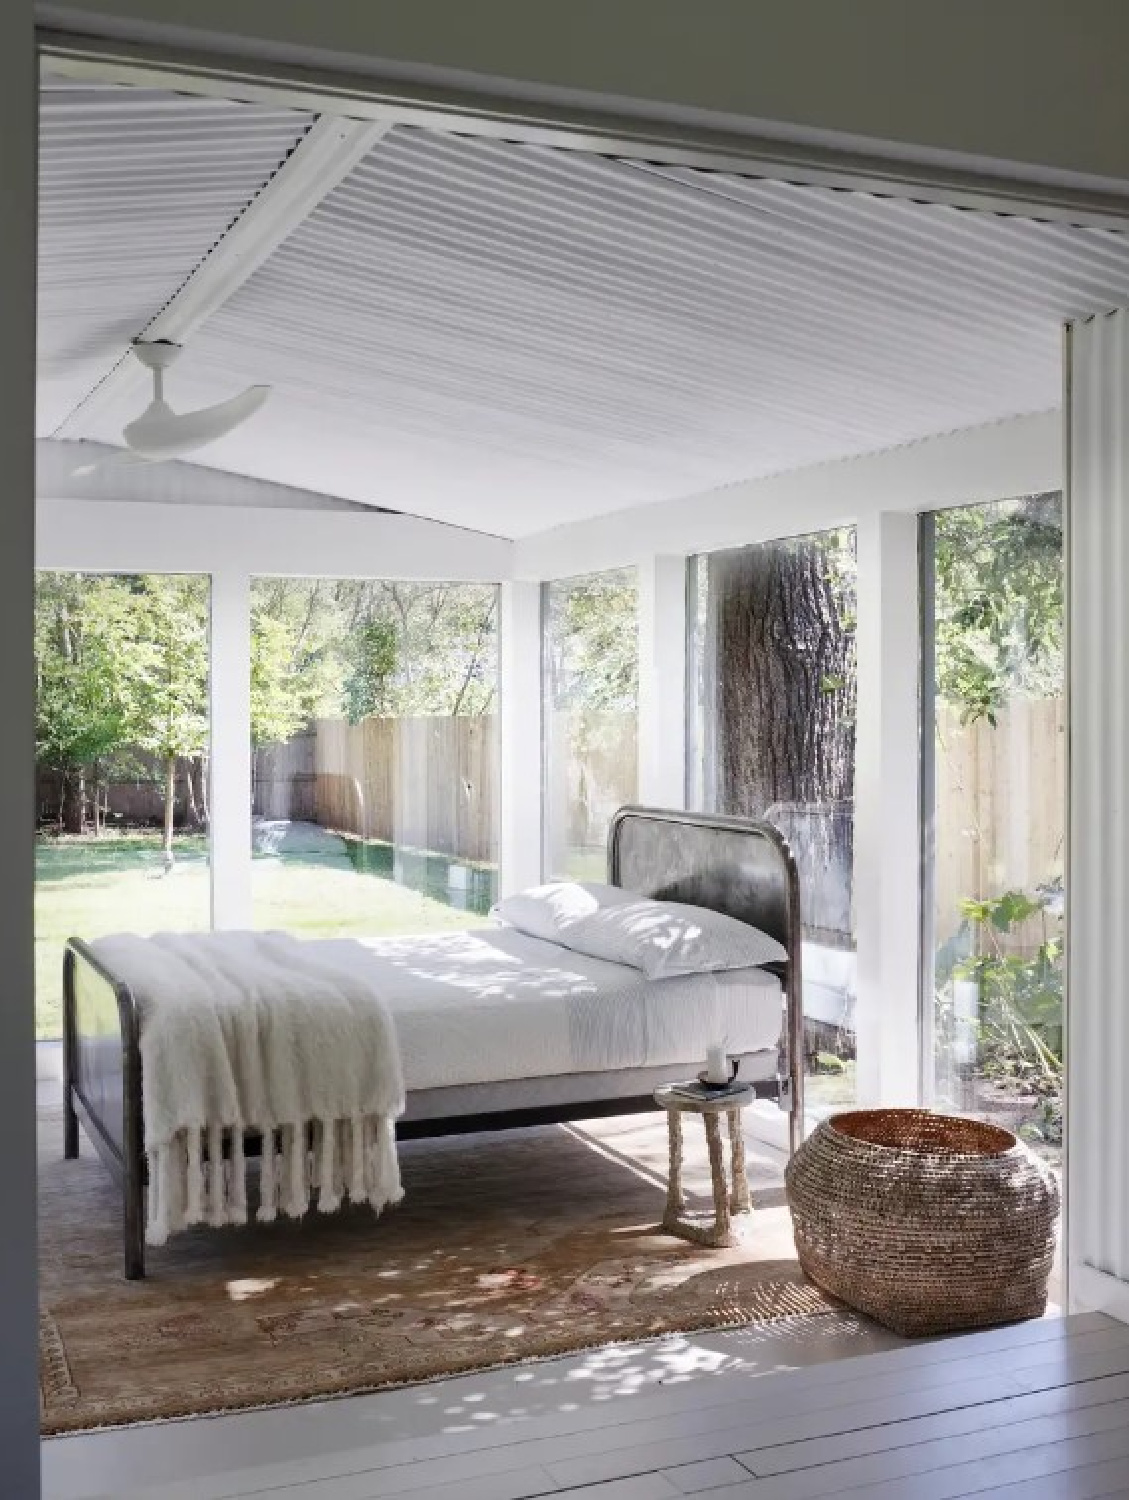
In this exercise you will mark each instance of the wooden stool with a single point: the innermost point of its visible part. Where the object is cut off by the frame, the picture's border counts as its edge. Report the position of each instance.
(729, 1197)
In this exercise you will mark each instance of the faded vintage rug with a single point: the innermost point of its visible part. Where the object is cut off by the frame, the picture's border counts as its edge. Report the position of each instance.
(507, 1247)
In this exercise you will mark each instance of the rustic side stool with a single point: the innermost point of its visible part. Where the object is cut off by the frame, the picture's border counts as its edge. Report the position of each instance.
(729, 1196)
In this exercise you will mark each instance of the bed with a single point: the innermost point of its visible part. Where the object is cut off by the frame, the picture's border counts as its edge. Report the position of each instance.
(740, 868)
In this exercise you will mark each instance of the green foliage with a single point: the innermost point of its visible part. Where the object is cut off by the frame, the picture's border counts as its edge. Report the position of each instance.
(374, 652)
(593, 642)
(283, 697)
(999, 618)
(1019, 1029)
(83, 680)
(351, 648)
(167, 658)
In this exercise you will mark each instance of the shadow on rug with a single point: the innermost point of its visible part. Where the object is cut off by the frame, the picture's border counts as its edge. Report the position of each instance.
(507, 1247)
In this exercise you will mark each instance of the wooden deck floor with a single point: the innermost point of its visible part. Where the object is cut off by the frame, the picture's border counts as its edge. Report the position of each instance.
(1035, 1412)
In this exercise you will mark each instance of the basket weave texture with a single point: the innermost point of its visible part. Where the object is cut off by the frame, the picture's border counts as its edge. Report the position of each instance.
(924, 1222)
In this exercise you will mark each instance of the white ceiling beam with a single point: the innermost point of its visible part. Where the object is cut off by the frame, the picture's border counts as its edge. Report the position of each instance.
(323, 158)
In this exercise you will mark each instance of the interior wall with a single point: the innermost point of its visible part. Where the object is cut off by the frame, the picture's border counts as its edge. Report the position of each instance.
(958, 80)
(1023, 456)
(19, 1386)
(127, 536)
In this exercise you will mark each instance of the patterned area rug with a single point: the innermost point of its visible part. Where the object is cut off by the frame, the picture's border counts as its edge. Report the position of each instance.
(508, 1247)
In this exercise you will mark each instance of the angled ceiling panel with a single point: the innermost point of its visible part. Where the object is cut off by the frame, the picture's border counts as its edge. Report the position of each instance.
(136, 186)
(508, 337)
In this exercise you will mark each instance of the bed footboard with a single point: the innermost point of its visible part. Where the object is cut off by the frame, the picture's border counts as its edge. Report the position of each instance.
(102, 1084)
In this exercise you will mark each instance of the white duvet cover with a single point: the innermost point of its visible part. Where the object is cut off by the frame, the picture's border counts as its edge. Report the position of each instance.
(493, 1004)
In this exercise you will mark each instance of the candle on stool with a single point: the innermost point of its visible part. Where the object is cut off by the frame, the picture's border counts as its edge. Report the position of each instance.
(717, 1064)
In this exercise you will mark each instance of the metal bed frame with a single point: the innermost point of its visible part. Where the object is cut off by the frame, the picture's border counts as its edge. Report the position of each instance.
(742, 868)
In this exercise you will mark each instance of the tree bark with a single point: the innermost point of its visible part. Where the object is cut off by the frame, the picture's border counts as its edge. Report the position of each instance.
(782, 668)
(780, 664)
(74, 799)
(170, 811)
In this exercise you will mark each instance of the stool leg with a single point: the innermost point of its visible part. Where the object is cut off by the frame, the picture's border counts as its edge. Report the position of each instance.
(675, 1200)
(721, 1232)
(739, 1202)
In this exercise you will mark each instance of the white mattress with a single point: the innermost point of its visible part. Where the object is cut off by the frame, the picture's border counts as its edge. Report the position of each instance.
(492, 1004)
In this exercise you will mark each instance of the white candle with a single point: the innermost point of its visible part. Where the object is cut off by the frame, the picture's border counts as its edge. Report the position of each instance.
(717, 1064)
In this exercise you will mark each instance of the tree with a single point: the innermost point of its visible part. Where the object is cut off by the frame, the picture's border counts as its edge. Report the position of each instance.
(780, 652)
(283, 696)
(83, 686)
(373, 653)
(1000, 608)
(352, 648)
(593, 636)
(779, 681)
(169, 651)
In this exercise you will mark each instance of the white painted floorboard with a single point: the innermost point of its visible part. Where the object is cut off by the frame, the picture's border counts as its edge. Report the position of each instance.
(1039, 1411)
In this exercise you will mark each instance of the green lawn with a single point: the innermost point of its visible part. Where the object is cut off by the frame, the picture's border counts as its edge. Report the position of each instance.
(319, 886)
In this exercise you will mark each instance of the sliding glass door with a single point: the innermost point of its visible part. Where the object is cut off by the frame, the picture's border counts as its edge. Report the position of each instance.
(772, 735)
(122, 746)
(995, 802)
(375, 755)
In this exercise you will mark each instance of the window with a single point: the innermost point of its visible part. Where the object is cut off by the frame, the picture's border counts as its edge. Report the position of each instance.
(375, 755)
(995, 802)
(771, 735)
(122, 736)
(591, 691)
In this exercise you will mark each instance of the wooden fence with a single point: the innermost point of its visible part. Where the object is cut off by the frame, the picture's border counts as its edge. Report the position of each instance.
(424, 783)
(593, 760)
(1000, 819)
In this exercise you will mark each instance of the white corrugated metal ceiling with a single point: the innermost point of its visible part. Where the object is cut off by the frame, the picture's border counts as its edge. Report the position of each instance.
(509, 337)
(136, 186)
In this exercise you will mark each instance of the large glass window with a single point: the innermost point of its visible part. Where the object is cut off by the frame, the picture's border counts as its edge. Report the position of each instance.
(771, 735)
(995, 797)
(374, 722)
(121, 763)
(591, 702)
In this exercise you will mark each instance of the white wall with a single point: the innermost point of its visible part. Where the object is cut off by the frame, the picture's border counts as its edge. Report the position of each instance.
(980, 463)
(956, 80)
(128, 536)
(19, 1393)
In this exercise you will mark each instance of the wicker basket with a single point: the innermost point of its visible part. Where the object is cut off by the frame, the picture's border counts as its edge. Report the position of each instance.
(924, 1222)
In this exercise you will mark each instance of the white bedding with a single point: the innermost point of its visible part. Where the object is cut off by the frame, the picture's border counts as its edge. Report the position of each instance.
(492, 1004)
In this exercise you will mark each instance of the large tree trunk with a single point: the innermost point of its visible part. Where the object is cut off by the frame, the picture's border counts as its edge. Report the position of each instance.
(781, 726)
(170, 810)
(782, 669)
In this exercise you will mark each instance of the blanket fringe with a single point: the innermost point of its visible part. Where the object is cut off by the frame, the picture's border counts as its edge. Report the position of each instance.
(191, 1182)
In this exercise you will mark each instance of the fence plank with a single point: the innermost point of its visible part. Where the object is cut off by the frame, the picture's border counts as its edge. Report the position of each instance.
(1000, 809)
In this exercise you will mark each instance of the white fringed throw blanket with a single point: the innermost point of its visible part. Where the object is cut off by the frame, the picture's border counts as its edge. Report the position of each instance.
(259, 1032)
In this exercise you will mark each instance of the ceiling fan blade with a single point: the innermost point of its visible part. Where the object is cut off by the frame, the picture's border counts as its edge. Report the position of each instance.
(123, 457)
(161, 433)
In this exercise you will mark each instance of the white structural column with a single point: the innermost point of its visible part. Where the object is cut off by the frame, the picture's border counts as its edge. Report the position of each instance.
(887, 827)
(19, 1396)
(231, 749)
(520, 705)
(662, 682)
(1097, 992)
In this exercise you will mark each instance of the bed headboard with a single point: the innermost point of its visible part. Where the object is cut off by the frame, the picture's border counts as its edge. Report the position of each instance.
(731, 865)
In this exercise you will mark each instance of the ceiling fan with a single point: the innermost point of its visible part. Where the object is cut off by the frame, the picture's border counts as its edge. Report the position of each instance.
(159, 433)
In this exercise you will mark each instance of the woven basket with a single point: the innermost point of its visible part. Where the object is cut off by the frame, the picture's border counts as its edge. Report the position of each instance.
(924, 1222)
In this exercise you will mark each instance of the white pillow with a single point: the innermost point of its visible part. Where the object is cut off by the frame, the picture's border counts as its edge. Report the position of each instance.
(548, 911)
(667, 938)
